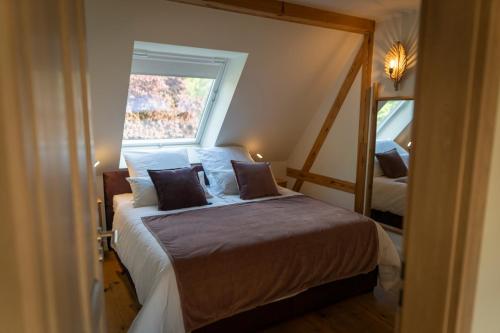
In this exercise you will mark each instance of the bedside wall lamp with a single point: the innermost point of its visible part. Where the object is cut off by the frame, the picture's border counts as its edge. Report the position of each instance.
(395, 63)
(259, 156)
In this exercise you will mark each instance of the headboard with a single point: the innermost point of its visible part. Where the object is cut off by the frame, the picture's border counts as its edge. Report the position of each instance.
(115, 182)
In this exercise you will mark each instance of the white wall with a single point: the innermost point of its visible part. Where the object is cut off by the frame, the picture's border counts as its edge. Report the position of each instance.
(338, 156)
(288, 74)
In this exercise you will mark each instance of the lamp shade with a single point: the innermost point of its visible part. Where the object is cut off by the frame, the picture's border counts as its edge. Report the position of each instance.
(395, 63)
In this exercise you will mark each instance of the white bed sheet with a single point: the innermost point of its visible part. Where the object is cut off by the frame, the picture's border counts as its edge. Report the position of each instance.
(153, 274)
(389, 195)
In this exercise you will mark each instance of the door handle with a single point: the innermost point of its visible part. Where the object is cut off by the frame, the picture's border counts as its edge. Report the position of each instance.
(112, 234)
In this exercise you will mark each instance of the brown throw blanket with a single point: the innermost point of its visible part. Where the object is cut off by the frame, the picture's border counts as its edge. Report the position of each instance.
(229, 259)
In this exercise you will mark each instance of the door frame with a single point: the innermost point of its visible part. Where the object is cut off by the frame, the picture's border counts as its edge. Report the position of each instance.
(52, 280)
(456, 104)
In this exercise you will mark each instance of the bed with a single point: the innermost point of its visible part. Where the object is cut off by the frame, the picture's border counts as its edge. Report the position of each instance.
(154, 278)
(389, 195)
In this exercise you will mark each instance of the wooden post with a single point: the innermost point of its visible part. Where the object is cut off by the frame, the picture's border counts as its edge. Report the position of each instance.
(364, 116)
(371, 148)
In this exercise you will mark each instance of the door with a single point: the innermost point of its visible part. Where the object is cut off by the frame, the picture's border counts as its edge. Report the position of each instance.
(456, 105)
(51, 277)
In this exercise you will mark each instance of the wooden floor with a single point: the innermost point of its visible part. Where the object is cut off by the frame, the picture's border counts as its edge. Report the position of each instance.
(369, 313)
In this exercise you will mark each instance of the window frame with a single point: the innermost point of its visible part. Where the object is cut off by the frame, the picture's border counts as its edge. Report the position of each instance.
(211, 99)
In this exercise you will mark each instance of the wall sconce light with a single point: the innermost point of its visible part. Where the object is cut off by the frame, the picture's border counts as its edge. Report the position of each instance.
(259, 156)
(395, 63)
(96, 164)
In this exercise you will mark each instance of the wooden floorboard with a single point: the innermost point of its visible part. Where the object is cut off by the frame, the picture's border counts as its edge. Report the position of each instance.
(369, 313)
(121, 302)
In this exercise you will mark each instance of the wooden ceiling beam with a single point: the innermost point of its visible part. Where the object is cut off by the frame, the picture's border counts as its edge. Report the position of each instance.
(284, 11)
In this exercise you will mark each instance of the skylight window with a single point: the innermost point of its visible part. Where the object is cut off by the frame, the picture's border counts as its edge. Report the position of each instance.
(170, 98)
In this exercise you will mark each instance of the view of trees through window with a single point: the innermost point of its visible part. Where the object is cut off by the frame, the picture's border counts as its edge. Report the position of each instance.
(386, 110)
(165, 107)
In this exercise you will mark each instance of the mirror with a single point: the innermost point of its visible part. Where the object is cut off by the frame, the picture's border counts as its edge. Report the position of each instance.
(391, 160)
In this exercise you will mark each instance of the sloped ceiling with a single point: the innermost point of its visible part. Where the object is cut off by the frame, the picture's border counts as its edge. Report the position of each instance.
(373, 9)
(289, 72)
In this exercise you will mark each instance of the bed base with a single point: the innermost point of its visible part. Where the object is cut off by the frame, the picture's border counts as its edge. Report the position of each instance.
(387, 218)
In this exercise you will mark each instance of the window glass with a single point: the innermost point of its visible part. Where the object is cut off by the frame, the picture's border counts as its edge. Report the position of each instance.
(166, 107)
(386, 110)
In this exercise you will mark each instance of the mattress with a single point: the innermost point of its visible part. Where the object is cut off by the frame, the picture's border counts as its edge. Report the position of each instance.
(153, 274)
(389, 195)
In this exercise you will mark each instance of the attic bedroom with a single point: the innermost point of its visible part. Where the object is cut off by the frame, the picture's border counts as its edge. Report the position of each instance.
(249, 166)
(180, 79)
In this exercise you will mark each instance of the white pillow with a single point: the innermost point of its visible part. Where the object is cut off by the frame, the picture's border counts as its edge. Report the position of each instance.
(144, 191)
(139, 162)
(219, 158)
(223, 182)
(216, 162)
(201, 177)
(406, 159)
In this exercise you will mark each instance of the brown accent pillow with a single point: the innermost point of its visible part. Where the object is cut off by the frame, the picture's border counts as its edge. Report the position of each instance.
(255, 180)
(392, 164)
(178, 188)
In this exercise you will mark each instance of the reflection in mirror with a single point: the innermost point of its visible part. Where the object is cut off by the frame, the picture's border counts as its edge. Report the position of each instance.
(392, 155)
